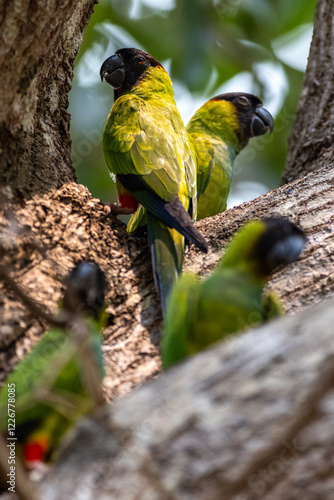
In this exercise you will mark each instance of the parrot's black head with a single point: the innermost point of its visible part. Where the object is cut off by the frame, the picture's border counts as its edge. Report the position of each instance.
(280, 243)
(85, 289)
(252, 117)
(125, 68)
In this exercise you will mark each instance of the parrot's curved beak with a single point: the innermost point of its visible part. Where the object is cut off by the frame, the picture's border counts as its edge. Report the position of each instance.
(287, 250)
(282, 242)
(112, 70)
(262, 122)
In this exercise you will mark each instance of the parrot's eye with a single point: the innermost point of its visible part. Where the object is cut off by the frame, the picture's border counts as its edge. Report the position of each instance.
(140, 59)
(243, 102)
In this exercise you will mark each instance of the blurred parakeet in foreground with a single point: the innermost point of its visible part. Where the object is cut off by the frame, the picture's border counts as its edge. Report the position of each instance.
(231, 299)
(148, 149)
(50, 394)
(220, 129)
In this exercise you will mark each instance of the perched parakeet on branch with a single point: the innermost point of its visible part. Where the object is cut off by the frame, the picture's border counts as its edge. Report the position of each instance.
(49, 391)
(220, 129)
(148, 149)
(231, 299)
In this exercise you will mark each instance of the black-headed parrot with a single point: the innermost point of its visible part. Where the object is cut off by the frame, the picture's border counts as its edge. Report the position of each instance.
(50, 394)
(231, 299)
(147, 148)
(220, 129)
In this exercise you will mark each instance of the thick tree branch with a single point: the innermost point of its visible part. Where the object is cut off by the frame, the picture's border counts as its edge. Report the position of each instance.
(241, 417)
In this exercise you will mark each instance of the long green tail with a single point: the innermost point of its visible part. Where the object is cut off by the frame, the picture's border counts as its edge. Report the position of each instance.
(167, 257)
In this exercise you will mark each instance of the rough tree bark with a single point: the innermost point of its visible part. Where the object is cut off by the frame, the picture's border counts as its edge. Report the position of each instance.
(39, 41)
(311, 141)
(58, 222)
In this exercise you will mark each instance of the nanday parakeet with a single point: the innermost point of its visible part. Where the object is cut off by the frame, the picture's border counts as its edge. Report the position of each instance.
(148, 149)
(50, 395)
(231, 299)
(220, 129)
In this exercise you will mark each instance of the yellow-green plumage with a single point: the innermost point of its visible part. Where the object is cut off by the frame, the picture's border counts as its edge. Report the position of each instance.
(231, 299)
(144, 135)
(220, 129)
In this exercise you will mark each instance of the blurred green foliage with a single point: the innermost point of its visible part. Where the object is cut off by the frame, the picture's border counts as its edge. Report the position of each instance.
(208, 47)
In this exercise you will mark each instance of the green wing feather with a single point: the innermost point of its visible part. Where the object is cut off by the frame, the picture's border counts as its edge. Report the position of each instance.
(213, 199)
(213, 129)
(137, 221)
(205, 162)
(134, 145)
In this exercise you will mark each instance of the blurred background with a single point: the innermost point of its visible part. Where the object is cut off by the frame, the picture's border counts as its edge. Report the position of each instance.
(207, 47)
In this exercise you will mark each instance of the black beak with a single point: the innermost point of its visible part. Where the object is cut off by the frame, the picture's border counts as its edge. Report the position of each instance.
(112, 70)
(262, 122)
(281, 243)
(287, 250)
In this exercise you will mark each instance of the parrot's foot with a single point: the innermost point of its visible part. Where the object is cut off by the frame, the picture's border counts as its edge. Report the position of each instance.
(114, 209)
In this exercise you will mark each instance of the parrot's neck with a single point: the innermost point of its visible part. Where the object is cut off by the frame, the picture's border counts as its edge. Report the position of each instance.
(242, 254)
(218, 119)
(155, 83)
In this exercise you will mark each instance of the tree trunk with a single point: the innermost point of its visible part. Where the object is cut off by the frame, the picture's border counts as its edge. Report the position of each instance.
(40, 42)
(311, 141)
(58, 223)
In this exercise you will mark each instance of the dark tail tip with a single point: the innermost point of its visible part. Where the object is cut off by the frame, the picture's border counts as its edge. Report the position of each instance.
(192, 234)
(183, 223)
(202, 245)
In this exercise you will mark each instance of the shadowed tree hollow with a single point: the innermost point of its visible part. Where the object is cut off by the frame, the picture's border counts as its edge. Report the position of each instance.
(48, 222)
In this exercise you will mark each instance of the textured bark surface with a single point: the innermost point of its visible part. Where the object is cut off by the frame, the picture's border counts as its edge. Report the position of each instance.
(199, 431)
(311, 141)
(39, 41)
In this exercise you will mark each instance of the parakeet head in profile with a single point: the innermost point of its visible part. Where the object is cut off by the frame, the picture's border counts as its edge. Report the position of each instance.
(253, 119)
(125, 69)
(263, 245)
(280, 243)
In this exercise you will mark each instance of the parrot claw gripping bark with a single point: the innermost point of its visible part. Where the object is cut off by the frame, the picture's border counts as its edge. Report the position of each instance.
(220, 129)
(231, 299)
(148, 149)
(50, 392)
